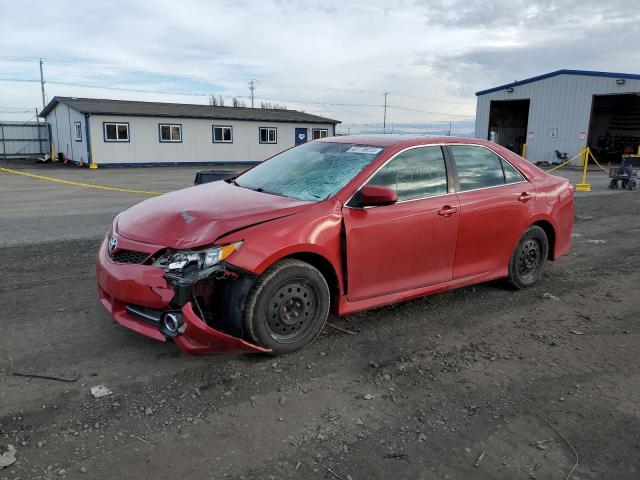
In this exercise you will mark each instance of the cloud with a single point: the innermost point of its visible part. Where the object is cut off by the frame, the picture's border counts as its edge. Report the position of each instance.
(431, 54)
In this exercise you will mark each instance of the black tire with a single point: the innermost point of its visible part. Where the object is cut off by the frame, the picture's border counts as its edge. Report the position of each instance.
(632, 184)
(287, 306)
(613, 184)
(528, 258)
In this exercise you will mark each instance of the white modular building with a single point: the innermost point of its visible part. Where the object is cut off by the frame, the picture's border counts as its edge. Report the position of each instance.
(563, 112)
(103, 132)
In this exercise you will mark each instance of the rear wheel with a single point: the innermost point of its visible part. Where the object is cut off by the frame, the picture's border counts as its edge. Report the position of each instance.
(528, 258)
(287, 306)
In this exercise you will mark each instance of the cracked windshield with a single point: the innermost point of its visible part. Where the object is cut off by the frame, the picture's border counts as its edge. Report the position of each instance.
(311, 172)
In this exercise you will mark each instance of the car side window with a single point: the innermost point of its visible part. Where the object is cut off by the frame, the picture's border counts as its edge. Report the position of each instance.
(415, 173)
(478, 167)
(511, 175)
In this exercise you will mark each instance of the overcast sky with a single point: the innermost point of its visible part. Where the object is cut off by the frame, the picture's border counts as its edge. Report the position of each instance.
(432, 55)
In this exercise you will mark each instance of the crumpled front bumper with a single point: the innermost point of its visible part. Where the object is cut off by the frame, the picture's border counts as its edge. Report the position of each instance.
(123, 285)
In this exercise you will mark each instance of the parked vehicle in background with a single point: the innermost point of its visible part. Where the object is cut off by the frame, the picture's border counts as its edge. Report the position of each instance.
(257, 263)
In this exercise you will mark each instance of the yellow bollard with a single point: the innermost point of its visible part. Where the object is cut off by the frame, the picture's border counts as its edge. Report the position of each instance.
(524, 150)
(584, 186)
(93, 164)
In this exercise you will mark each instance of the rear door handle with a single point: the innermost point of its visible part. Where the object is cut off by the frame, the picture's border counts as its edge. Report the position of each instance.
(447, 211)
(523, 197)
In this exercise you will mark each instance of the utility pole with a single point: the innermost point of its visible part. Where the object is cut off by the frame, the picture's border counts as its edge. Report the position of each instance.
(384, 119)
(252, 87)
(449, 128)
(44, 103)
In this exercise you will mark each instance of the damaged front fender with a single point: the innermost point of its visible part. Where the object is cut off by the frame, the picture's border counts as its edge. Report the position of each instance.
(138, 297)
(201, 339)
(218, 295)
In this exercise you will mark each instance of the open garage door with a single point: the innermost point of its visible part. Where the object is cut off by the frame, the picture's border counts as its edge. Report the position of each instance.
(508, 121)
(614, 126)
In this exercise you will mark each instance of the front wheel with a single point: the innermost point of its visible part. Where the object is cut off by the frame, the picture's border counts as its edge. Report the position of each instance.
(528, 258)
(287, 306)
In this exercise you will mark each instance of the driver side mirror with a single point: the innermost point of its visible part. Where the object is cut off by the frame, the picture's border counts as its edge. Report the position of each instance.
(373, 196)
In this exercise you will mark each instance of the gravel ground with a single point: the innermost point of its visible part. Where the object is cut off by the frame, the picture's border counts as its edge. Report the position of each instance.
(482, 382)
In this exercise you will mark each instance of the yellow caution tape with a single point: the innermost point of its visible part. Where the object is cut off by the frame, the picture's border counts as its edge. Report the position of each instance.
(597, 163)
(563, 164)
(79, 184)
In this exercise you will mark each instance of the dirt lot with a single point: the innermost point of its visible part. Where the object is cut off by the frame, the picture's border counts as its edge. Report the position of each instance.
(482, 382)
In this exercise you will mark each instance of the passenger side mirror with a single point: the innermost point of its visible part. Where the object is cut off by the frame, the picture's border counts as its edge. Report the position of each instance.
(373, 195)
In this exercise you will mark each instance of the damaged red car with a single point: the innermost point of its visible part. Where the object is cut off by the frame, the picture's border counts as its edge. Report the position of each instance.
(258, 262)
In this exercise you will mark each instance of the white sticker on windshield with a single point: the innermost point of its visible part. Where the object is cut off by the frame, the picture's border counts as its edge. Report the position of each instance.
(357, 149)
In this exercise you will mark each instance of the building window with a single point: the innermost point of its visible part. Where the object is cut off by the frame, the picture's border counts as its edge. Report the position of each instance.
(170, 132)
(268, 135)
(222, 134)
(78, 127)
(116, 132)
(320, 133)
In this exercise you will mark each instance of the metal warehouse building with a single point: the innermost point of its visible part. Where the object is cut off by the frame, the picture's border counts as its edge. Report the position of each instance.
(117, 133)
(563, 111)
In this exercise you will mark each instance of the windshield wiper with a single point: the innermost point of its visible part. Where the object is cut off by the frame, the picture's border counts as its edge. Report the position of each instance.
(255, 189)
(262, 190)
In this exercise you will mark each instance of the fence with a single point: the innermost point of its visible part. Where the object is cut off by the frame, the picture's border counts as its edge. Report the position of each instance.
(23, 139)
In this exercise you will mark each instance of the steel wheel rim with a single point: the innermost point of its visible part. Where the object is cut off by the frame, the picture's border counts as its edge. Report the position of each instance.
(530, 257)
(292, 310)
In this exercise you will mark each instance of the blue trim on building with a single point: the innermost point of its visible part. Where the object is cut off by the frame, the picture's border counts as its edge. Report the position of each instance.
(50, 132)
(213, 133)
(160, 125)
(88, 134)
(267, 143)
(104, 132)
(587, 73)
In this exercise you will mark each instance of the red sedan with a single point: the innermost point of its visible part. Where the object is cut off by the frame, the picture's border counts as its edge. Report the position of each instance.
(257, 262)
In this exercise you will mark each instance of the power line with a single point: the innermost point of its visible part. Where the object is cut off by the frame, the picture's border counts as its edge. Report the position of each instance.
(210, 79)
(202, 94)
(191, 94)
(430, 112)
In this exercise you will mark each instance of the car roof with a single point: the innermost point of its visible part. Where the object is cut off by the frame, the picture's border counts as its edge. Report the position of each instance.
(396, 140)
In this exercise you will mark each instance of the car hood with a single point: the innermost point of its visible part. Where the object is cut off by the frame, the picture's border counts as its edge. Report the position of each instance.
(199, 215)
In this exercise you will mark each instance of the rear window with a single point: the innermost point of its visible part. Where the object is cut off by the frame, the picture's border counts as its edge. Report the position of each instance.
(478, 167)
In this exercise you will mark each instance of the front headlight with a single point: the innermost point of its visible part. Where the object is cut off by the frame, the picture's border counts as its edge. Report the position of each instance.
(205, 258)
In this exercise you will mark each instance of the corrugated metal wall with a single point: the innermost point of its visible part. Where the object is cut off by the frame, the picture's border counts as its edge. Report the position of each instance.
(563, 103)
(23, 139)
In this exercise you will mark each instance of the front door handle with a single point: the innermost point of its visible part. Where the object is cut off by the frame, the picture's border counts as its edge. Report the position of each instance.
(524, 196)
(447, 211)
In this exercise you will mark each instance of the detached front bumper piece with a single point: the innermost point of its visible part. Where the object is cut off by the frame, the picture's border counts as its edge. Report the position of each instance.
(139, 298)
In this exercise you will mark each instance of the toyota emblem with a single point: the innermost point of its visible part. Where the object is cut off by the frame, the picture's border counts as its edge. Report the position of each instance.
(113, 244)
